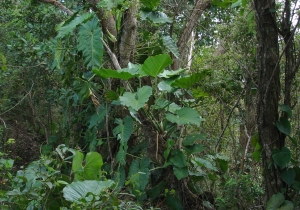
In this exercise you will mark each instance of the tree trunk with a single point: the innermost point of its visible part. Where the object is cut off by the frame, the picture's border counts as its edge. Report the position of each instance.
(268, 91)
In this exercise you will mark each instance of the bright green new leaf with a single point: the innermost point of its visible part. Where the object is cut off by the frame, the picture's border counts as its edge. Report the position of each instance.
(136, 100)
(177, 158)
(77, 165)
(187, 82)
(155, 17)
(281, 157)
(154, 65)
(89, 42)
(124, 130)
(180, 172)
(108, 73)
(275, 202)
(185, 116)
(284, 126)
(171, 45)
(151, 4)
(76, 191)
(288, 176)
(67, 29)
(92, 167)
(190, 139)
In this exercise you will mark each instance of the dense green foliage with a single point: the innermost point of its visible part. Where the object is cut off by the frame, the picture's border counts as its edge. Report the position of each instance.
(78, 131)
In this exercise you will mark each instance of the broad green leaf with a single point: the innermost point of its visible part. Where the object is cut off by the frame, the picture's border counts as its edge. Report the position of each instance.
(288, 176)
(154, 65)
(108, 73)
(173, 202)
(180, 172)
(287, 109)
(177, 158)
(196, 148)
(189, 81)
(155, 17)
(284, 126)
(296, 185)
(139, 173)
(67, 29)
(77, 167)
(124, 130)
(256, 155)
(165, 85)
(98, 117)
(190, 139)
(281, 157)
(136, 100)
(287, 205)
(204, 163)
(151, 4)
(89, 42)
(75, 191)
(171, 45)
(185, 116)
(92, 167)
(223, 164)
(275, 202)
(169, 74)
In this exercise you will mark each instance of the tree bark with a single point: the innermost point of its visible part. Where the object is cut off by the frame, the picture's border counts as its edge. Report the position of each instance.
(268, 91)
(191, 23)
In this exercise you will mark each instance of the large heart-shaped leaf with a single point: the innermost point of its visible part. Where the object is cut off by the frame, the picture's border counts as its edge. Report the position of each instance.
(177, 158)
(156, 64)
(136, 100)
(77, 165)
(139, 173)
(185, 116)
(180, 172)
(281, 157)
(284, 126)
(288, 176)
(124, 130)
(75, 191)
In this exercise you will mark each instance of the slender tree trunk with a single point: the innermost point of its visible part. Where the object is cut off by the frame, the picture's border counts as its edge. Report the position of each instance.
(268, 91)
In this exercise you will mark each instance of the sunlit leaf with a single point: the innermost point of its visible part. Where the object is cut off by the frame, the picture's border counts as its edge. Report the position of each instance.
(154, 65)
(185, 116)
(136, 100)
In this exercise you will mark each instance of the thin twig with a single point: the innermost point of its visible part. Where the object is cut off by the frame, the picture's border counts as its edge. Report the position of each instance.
(19, 101)
(229, 117)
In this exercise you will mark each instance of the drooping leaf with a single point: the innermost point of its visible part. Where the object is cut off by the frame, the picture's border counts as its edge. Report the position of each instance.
(67, 29)
(190, 139)
(275, 201)
(193, 149)
(180, 172)
(124, 130)
(136, 100)
(284, 126)
(204, 163)
(171, 45)
(187, 82)
(155, 17)
(287, 109)
(185, 116)
(177, 158)
(150, 4)
(281, 157)
(108, 73)
(89, 42)
(154, 65)
(169, 74)
(75, 191)
(288, 176)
